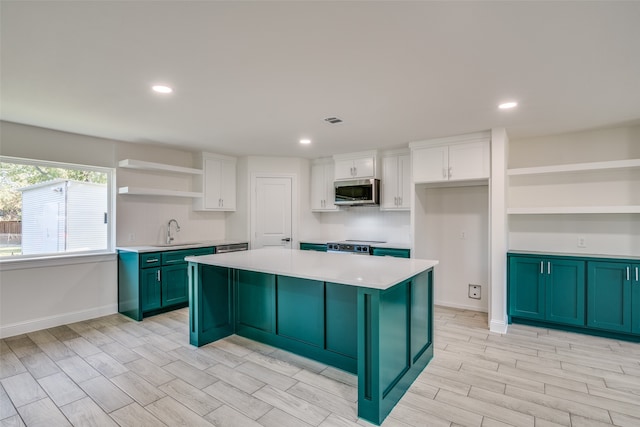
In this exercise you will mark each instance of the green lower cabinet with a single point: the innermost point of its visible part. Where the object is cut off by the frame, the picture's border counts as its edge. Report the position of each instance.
(395, 252)
(611, 304)
(151, 289)
(313, 247)
(152, 282)
(526, 288)
(174, 285)
(548, 289)
(635, 300)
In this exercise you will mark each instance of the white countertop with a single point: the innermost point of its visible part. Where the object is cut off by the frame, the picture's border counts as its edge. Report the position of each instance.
(178, 245)
(348, 269)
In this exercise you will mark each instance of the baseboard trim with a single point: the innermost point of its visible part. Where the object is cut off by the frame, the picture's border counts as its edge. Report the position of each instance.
(460, 306)
(499, 327)
(52, 321)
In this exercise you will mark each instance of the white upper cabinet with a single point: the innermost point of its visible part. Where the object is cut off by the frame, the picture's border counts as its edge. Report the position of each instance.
(451, 159)
(396, 181)
(322, 190)
(361, 165)
(218, 184)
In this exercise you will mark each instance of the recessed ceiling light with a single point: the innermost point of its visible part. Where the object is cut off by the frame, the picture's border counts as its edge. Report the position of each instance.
(162, 89)
(305, 141)
(507, 105)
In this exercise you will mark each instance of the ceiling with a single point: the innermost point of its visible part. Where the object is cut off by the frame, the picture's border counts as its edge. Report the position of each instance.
(252, 78)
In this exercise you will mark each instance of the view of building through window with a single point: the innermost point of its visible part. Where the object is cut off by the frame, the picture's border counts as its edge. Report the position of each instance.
(48, 208)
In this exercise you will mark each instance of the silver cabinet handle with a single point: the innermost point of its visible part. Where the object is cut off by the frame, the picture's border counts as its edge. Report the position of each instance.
(541, 267)
(627, 272)
(450, 174)
(548, 267)
(158, 275)
(637, 279)
(152, 260)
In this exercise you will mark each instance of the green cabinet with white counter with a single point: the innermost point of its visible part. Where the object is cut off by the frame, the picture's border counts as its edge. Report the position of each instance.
(153, 282)
(395, 252)
(546, 288)
(614, 296)
(594, 295)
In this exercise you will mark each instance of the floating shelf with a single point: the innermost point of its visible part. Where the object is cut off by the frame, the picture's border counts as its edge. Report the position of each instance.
(576, 167)
(140, 191)
(575, 210)
(150, 166)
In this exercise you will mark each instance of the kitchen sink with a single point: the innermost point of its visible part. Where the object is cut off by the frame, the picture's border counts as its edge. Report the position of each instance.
(173, 245)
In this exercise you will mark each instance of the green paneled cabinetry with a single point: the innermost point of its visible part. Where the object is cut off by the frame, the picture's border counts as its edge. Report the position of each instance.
(614, 296)
(153, 282)
(399, 253)
(587, 294)
(551, 289)
(304, 246)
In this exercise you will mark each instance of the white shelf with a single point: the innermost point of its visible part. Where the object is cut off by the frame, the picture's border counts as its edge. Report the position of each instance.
(150, 166)
(140, 191)
(575, 210)
(576, 167)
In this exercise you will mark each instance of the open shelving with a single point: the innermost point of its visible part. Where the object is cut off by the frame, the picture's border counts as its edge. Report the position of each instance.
(578, 208)
(576, 167)
(157, 167)
(141, 191)
(160, 167)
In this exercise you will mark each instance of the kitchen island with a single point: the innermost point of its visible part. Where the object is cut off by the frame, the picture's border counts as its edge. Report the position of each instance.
(371, 316)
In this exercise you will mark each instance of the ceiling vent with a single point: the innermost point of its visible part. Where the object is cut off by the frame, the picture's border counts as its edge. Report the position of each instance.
(333, 120)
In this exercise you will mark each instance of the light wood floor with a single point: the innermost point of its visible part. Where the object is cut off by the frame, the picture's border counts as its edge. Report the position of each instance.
(113, 371)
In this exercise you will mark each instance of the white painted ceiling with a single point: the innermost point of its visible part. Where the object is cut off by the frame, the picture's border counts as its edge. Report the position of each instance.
(254, 77)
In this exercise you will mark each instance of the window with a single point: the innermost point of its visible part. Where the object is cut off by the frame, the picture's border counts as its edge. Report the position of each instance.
(49, 208)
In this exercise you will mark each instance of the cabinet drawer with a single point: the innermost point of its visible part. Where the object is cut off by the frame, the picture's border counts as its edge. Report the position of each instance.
(150, 260)
(176, 257)
(398, 253)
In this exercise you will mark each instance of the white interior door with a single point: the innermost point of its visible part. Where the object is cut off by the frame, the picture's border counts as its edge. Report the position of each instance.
(272, 212)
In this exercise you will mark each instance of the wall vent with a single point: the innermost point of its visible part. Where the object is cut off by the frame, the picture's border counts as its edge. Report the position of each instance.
(333, 120)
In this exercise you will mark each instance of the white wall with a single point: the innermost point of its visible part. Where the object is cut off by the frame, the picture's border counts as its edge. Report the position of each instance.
(49, 295)
(362, 223)
(452, 226)
(604, 234)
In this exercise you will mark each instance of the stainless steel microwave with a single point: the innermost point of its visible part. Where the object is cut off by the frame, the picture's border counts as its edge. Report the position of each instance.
(360, 192)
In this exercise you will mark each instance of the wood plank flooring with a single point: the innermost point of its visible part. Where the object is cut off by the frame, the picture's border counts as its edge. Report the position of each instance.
(113, 371)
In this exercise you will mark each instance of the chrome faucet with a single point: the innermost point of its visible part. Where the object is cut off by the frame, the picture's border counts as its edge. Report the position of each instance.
(169, 236)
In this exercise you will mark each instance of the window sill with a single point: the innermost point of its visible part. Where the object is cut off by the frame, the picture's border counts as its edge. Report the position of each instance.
(55, 260)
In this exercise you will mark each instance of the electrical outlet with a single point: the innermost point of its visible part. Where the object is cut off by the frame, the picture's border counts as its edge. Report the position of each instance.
(474, 291)
(463, 235)
(582, 242)
(132, 237)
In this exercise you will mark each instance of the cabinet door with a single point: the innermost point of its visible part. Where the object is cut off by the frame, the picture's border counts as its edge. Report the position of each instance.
(635, 299)
(228, 185)
(364, 167)
(565, 290)
(330, 191)
(526, 287)
(430, 164)
(318, 185)
(404, 184)
(151, 292)
(212, 183)
(389, 183)
(609, 296)
(343, 169)
(175, 288)
(469, 161)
